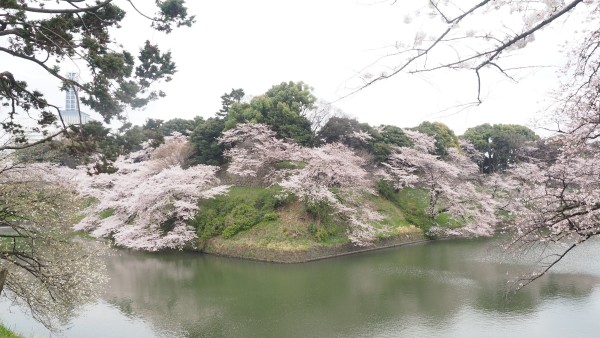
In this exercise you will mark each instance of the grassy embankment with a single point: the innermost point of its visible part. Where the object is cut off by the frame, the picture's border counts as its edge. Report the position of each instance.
(256, 223)
(250, 222)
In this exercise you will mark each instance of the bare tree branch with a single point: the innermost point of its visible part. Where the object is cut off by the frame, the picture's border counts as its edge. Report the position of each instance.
(24, 146)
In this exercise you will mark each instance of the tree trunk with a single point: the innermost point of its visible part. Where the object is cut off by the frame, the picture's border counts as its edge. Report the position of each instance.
(433, 197)
(3, 274)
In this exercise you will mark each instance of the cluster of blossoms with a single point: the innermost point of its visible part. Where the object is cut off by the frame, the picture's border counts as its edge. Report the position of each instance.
(335, 175)
(257, 149)
(47, 272)
(451, 184)
(146, 204)
(336, 166)
(320, 172)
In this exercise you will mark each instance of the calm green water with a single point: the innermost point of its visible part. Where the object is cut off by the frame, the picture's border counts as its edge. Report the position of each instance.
(442, 289)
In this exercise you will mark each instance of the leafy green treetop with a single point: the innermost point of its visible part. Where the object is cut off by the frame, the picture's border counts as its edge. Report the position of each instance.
(179, 125)
(341, 129)
(205, 146)
(379, 143)
(205, 143)
(444, 136)
(500, 144)
(283, 107)
(228, 99)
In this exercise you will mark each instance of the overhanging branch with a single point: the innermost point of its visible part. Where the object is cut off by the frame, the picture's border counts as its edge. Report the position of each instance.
(24, 146)
(64, 11)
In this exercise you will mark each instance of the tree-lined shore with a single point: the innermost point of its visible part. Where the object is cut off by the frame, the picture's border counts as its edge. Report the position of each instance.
(282, 163)
(282, 170)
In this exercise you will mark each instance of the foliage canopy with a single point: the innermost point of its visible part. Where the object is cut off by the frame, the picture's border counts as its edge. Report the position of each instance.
(80, 33)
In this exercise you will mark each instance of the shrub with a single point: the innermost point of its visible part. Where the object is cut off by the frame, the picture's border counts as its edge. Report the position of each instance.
(319, 210)
(242, 209)
(242, 217)
(322, 235)
(271, 216)
(387, 191)
(208, 223)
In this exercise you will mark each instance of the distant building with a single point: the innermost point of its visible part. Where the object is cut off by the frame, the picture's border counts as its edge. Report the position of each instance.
(71, 114)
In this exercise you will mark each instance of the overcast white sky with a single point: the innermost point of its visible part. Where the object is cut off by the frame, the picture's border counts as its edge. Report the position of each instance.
(256, 44)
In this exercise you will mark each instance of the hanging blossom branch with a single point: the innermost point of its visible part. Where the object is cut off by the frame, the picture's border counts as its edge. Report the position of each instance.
(556, 201)
(477, 50)
(45, 272)
(555, 205)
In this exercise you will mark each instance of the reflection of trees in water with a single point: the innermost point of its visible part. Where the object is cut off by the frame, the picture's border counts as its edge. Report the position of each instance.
(424, 285)
(159, 289)
(504, 300)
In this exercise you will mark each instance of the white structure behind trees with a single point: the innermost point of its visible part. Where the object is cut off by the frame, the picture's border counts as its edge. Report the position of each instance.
(72, 113)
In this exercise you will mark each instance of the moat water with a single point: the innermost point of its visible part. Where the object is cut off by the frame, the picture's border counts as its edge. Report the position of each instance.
(456, 288)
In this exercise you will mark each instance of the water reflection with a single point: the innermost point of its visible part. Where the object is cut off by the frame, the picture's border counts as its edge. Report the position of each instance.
(448, 288)
(423, 289)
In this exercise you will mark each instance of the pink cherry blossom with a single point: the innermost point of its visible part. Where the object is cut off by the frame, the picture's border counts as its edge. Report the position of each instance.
(148, 202)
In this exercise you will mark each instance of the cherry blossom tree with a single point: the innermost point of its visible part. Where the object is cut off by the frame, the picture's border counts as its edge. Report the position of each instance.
(336, 166)
(451, 185)
(554, 200)
(174, 152)
(557, 201)
(469, 150)
(323, 170)
(256, 149)
(41, 268)
(146, 204)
